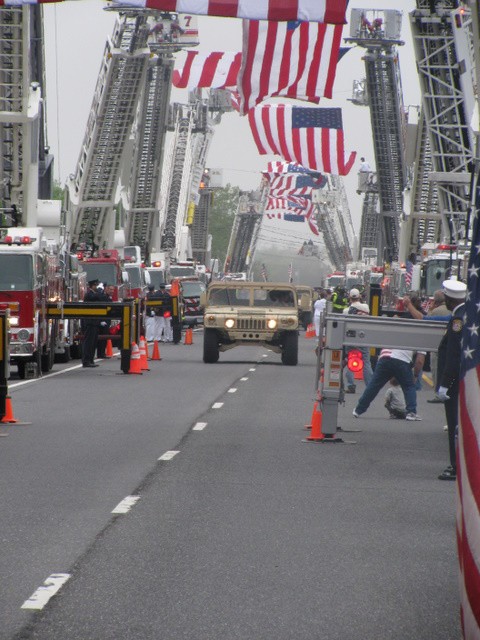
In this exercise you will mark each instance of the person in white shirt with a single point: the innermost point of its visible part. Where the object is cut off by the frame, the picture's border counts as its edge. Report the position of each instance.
(318, 310)
(394, 363)
(365, 166)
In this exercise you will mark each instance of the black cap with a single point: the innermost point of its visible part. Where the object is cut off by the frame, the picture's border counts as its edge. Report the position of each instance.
(161, 286)
(91, 283)
(151, 287)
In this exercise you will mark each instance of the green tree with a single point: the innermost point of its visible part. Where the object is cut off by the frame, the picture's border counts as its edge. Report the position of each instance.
(57, 190)
(220, 222)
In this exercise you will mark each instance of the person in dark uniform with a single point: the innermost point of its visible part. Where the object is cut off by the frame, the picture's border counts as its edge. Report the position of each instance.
(90, 327)
(105, 324)
(448, 369)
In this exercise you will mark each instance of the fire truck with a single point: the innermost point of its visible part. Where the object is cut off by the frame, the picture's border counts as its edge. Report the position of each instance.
(108, 267)
(439, 262)
(30, 276)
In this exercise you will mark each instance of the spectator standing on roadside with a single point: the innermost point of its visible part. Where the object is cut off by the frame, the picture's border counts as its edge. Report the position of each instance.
(90, 327)
(318, 310)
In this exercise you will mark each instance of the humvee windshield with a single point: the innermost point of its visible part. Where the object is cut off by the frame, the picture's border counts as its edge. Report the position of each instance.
(261, 297)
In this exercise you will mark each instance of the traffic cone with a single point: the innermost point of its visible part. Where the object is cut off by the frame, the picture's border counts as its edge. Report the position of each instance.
(135, 360)
(188, 336)
(109, 349)
(315, 405)
(310, 332)
(143, 355)
(8, 417)
(156, 351)
(316, 434)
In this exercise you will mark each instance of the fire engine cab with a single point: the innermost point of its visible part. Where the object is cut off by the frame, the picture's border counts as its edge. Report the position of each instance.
(30, 276)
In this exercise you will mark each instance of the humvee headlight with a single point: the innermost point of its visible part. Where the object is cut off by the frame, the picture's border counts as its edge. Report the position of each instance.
(271, 324)
(211, 319)
(229, 323)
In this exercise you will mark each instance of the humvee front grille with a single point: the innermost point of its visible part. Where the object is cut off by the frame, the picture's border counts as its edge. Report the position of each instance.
(251, 324)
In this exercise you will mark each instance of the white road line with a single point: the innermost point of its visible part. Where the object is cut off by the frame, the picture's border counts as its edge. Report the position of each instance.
(265, 355)
(232, 390)
(199, 426)
(42, 595)
(126, 504)
(253, 369)
(244, 379)
(217, 405)
(51, 375)
(168, 455)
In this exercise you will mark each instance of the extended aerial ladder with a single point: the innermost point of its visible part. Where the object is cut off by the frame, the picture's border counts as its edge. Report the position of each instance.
(378, 31)
(25, 164)
(244, 234)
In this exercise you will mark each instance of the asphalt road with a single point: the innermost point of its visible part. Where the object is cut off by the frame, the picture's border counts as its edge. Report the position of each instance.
(241, 531)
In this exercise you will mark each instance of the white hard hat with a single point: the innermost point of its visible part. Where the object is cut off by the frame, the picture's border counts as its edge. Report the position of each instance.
(454, 289)
(354, 293)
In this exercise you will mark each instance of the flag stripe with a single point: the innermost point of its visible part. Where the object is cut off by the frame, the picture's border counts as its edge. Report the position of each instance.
(216, 69)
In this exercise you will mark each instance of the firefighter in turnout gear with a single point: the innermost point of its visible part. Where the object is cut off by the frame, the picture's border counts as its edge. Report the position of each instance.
(448, 371)
(339, 299)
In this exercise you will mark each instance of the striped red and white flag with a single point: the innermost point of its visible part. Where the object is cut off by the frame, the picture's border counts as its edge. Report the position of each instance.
(282, 186)
(468, 453)
(291, 59)
(311, 136)
(292, 203)
(215, 70)
(328, 11)
(17, 3)
(312, 223)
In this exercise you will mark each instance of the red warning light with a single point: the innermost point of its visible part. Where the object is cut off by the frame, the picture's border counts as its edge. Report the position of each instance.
(355, 361)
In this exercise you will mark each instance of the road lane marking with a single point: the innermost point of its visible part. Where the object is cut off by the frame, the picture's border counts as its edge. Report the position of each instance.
(168, 455)
(126, 504)
(48, 375)
(232, 390)
(199, 426)
(217, 405)
(42, 595)
(253, 369)
(265, 355)
(243, 379)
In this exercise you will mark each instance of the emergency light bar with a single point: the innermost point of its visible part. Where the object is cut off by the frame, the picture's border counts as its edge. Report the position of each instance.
(17, 240)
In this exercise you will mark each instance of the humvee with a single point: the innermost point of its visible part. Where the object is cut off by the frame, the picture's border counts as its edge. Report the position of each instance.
(305, 316)
(251, 313)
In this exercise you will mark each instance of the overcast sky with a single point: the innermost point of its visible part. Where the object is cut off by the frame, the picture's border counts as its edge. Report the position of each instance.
(76, 32)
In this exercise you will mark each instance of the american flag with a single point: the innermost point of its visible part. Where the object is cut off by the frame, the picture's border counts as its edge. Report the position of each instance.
(292, 59)
(328, 11)
(204, 70)
(289, 167)
(297, 204)
(408, 274)
(11, 3)
(285, 184)
(312, 223)
(468, 452)
(311, 136)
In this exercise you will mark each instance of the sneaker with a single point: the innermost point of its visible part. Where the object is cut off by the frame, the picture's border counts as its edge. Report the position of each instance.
(412, 416)
(449, 474)
(355, 414)
(350, 389)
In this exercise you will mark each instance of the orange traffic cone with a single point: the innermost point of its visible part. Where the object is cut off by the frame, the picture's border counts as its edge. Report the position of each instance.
(315, 405)
(9, 418)
(109, 349)
(316, 434)
(188, 336)
(310, 332)
(156, 351)
(143, 355)
(135, 360)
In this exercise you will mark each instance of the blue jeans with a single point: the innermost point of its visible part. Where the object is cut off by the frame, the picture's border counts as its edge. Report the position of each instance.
(390, 368)
(367, 368)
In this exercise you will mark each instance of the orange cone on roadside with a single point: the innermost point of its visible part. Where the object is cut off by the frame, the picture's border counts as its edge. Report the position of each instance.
(316, 434)
(188, 336)
(310, 332)
(8, 417)
(143, 355)
(109, 349)
(135, 360)
(156, 351)
(315, 405)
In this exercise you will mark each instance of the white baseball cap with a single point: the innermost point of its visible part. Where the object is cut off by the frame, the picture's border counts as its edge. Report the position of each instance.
(354, 293)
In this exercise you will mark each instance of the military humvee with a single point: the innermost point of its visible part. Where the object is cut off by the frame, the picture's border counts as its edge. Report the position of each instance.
(251, 313)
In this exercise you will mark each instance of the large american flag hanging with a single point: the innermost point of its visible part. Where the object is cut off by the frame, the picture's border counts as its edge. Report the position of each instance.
(292, 59)
(215, 70)
(311, 136)
(328, 11)
(468, 452)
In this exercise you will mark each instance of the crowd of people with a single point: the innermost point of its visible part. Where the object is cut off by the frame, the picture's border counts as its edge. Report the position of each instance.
(402, 369)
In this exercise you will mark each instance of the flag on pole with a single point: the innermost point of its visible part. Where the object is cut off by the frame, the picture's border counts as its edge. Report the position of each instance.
(329, 11)
(311, 136)
(263, 272)
(215, 70)
(408, 274)
(292, 59)
(468, 452)
(290, 272)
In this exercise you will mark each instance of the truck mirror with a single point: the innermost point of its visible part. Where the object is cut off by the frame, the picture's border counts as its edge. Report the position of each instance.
(203, 298)
(148, 279)
(305, 302)
(124, 277)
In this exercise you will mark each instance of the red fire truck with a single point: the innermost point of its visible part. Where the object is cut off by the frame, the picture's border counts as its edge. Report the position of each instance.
(30, 276)
(108, 267)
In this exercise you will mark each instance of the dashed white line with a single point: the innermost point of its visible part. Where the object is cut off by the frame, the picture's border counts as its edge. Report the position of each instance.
(199, 426)
(232, 390)
(168, 455)
(243, 379)
(253, 369)
(42, 595)
(217, 405)
(265, 355)
(126, 504)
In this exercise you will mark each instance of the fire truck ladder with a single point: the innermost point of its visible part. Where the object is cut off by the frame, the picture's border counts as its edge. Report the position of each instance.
(176, 188)
(21, 125)
(244, 234)
(344, 217)
(437, 29)
(142, 216)
(387, 116)
(92, 189)
(370, 225)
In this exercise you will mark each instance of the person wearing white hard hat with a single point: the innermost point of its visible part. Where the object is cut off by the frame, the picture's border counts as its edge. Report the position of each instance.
(448, 370)
(357, 307)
